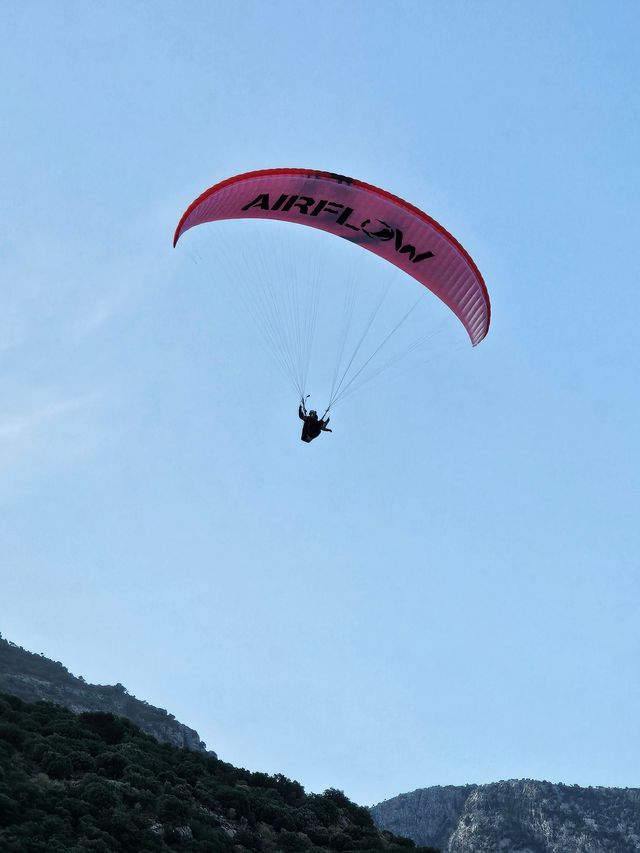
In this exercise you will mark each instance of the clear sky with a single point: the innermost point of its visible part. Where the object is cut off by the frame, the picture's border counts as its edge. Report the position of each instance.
(451, 596)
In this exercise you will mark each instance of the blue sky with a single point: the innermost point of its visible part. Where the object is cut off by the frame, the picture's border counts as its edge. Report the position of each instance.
(447, 595)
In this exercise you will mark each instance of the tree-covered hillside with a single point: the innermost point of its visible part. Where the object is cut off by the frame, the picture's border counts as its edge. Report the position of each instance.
(95, 783)
(34, 677)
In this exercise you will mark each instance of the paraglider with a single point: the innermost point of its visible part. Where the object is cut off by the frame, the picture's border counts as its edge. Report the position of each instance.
(373, 218)
(383, 224)
(312, 425)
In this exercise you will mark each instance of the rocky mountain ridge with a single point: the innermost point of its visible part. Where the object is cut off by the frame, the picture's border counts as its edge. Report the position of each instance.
(516, 816)
(33, 677)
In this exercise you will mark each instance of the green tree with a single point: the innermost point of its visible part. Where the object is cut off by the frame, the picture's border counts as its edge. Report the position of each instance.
(57, 766)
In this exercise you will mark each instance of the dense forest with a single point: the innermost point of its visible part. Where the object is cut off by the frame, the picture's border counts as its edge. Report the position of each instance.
(95, 783)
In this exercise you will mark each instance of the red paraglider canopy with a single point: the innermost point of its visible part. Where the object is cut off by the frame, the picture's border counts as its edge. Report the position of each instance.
(363, 214)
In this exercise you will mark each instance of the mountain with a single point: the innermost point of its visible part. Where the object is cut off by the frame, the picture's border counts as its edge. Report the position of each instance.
(34, 677)
(95, 783)
(519, 815)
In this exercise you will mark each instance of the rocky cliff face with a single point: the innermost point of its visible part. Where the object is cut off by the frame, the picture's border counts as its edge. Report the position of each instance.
(518, 815)
(431, 813)
(34, 677)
